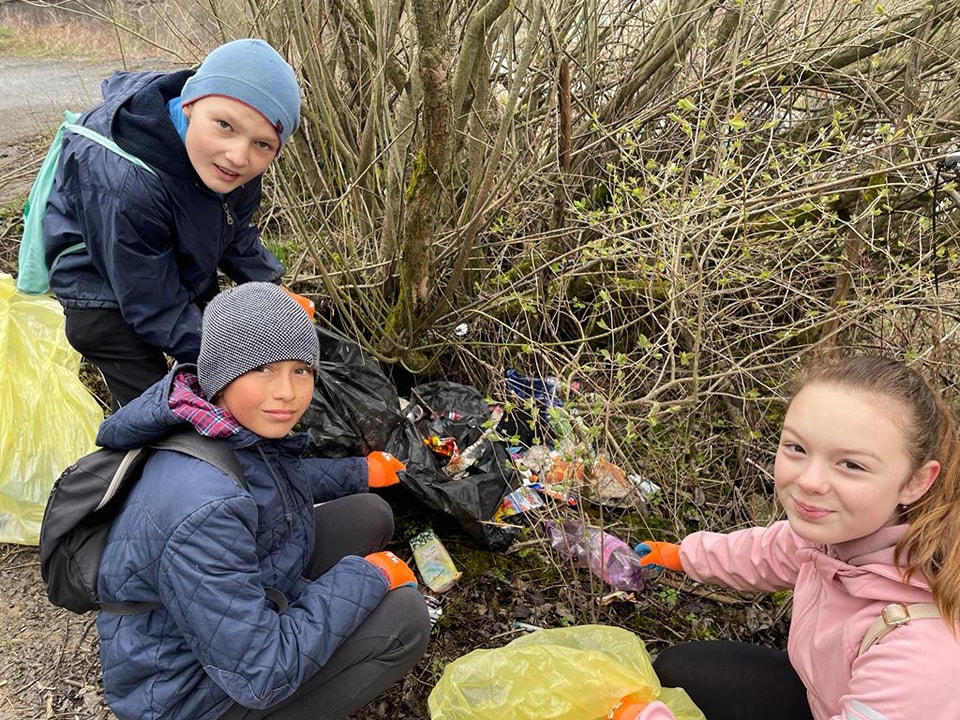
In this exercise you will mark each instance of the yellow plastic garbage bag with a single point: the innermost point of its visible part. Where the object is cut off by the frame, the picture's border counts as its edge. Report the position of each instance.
(575, 673)
(47, 417)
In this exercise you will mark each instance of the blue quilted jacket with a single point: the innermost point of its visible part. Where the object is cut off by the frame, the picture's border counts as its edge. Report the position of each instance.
(193, 539)
(153, 242)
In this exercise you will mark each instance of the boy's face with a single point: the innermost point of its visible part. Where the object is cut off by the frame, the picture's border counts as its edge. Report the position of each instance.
(228, 143)
(269, 400)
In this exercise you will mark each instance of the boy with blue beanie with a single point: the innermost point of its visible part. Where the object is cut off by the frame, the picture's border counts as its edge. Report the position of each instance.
(134, 252)
(267, 605)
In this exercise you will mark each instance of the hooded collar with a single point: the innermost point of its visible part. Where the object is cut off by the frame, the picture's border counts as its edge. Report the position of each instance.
(141, 123)
(877, 547)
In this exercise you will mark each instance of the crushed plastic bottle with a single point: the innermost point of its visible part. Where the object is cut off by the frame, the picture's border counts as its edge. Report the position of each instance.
(608, 557)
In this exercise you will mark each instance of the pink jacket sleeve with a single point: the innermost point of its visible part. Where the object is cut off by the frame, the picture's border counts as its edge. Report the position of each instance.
(757, 559)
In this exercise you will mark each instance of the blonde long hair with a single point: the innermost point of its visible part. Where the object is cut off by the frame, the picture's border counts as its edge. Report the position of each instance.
(931, 546)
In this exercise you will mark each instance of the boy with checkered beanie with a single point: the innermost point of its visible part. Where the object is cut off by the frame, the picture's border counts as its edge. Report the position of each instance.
(277, 598)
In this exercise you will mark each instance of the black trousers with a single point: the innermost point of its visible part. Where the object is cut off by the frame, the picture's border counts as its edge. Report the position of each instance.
(735, 681)
(382, 650)
(128, 364)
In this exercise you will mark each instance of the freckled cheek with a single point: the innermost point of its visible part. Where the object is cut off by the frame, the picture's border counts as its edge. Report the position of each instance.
(866, 504)
(781, 472)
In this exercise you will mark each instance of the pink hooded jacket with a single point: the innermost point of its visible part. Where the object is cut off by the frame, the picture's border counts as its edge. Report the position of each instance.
(839, 590)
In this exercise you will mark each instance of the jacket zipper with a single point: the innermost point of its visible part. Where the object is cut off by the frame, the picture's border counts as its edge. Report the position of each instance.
(287, 514)
(226, 210)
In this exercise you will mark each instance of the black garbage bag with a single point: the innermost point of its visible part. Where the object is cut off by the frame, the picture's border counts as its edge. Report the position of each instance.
(459, 411)
(355, 408)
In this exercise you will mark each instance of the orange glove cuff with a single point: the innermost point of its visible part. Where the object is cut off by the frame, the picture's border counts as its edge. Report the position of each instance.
(397, 572)
(306, 303)
(382, 469)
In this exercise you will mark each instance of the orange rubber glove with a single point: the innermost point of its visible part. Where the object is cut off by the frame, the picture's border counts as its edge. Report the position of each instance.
(306, 303)
(630, 707)
(382, 469)
(661, 555)
(397, 572)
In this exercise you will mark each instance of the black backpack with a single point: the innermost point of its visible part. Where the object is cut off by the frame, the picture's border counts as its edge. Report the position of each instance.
(83, 503)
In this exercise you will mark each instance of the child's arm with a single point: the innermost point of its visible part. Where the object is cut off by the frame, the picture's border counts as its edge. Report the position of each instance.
(331, 478)
(908, 674)
(763, 559)
(211, 586)
(123, 215)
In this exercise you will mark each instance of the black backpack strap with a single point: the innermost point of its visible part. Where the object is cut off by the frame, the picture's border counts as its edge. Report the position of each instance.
(215, 451)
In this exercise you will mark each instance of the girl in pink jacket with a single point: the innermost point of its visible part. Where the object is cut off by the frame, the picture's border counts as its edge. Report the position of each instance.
(868, 473)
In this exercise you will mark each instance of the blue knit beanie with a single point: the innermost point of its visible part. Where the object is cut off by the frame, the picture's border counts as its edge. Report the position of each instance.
(252, 72)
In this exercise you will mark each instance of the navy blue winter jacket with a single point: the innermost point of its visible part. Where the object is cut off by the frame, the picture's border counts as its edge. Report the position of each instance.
(153, 242)
(191, 538)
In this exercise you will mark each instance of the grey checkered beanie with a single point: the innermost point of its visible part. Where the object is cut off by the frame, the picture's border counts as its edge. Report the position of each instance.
(248, 326)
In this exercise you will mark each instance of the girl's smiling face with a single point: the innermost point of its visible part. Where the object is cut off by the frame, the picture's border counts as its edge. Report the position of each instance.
(842, 466)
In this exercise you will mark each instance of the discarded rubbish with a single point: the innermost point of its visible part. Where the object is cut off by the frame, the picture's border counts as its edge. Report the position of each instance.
(521, 500)
(434, 562)
(434, 609)
(356, 409)
(460, 462)
(444, 447)
(608, 557)
(517, 625)
(473, 494)
(548, 666)
(594, 477)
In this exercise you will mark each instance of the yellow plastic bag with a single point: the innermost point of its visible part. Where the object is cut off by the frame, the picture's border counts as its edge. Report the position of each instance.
(47, 417)
(575, 673)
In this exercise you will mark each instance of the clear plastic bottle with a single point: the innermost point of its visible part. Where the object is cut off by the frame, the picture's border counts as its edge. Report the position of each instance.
(608, 557)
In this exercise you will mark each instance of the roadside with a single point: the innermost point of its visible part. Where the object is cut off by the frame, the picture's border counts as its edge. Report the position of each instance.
(36, 93)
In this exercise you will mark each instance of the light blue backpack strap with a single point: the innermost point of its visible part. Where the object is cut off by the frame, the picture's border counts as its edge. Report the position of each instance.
(70, 126)
(32, 272)
(107, 143)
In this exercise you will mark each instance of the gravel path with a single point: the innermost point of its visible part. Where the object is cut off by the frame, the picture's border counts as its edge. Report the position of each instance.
(37, 91)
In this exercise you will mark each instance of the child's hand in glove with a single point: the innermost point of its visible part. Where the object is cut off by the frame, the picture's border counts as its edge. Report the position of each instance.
(659, 555)
(397, 572)
(382, 469)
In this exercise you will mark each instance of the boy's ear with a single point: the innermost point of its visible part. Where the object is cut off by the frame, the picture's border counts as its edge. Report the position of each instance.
(920, 482)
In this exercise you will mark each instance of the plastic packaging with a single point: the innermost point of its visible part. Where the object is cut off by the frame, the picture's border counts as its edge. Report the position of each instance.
(434, 562)
(47, 417)
(541, 676)
(608, 557)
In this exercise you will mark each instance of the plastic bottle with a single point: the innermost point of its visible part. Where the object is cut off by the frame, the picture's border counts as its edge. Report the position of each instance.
(608, 557)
